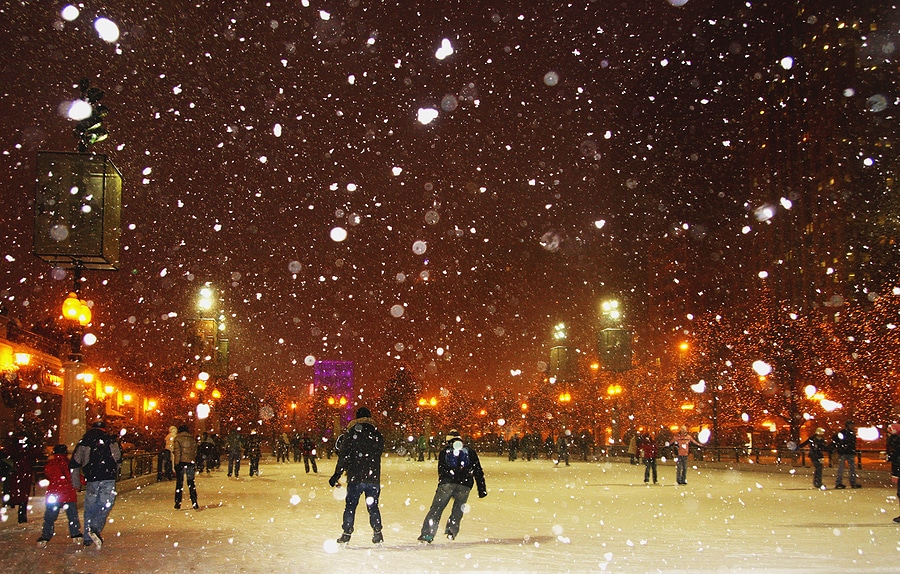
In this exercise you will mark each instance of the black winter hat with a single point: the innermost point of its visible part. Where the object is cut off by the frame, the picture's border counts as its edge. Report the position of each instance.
(363, 413)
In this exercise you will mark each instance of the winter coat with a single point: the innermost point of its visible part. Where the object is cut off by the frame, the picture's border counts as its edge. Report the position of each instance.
(632, 446)
(361, 447)
(97, 455)
(234, 443)
(648, 448)
(461, 467)
(253, 446)
(845, 441)
(59, 477)
(184, 451)
(170, 438)
(893, 453)
(309, 447)
(21, 478)
(817, 447)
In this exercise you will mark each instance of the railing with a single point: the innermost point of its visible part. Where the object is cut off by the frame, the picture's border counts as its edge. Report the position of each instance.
(870, 459)
(134, 464)
(137, 463)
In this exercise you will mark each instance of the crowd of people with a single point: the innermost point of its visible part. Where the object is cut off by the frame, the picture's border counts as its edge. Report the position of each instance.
(95, 460)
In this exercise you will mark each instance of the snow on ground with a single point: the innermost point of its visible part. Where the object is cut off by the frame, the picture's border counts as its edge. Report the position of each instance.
(589, 517)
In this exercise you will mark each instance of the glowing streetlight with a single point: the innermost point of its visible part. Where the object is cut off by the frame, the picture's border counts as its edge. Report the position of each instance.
(610, 310)
(559, 331)
(206, 300)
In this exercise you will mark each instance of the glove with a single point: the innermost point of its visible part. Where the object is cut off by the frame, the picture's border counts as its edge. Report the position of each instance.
(333, 481)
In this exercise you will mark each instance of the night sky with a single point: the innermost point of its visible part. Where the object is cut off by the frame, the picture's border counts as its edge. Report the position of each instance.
(571, 138)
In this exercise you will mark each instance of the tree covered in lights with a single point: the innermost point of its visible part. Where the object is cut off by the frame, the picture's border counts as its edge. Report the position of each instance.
(872, 335)
(398, 404)
(775, 362)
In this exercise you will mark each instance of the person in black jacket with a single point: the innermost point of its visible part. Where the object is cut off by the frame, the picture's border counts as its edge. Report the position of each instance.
(817, 449)
(845, 447)
(458, 469)
(359, 455)
(893, 455)
(97, 456)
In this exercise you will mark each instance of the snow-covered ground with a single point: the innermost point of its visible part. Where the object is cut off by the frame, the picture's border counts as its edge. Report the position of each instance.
(589, 517)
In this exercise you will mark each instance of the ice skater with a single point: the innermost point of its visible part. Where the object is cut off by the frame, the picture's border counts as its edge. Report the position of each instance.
(184, 454)
(683, 441)
(97, 457)
(359, 455)
(562, 448)
(817, 449)
(60, 495)
(309, 453)
(893, 453)
(845, 447)
(648, 455)
(458, 470)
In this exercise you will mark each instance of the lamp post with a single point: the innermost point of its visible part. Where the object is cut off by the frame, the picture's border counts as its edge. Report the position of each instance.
(565, 398)
(428, 405)
(700, 388)
(613, 391)
(338, 404)
(202, 407)
(77, 224)
(210, 333)
(72, 416)
(614, 341)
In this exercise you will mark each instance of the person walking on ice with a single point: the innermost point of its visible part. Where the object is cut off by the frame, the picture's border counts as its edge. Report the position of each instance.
(845, 447)
(97, 457)
(458, 470)
(60, 495)
(817, 449)
(893, 454)
(359, 455)
(683, 441)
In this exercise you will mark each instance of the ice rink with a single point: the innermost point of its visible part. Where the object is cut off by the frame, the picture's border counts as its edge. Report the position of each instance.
(588, 517)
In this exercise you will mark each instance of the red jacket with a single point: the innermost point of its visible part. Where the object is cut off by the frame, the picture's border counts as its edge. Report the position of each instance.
(648, 448)
(57, 472)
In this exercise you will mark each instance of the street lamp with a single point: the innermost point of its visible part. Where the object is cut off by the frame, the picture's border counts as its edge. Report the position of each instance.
(613, 391)
(559, 331)
(700, 387)
(78, 314)
(210, 332)
(610, 311)
(564, 399)
(338, 403)
(614, 341)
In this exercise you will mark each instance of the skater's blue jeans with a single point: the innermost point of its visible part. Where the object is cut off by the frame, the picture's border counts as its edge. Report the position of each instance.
(234, 463)
(445, 491)
(99, 497)
(649, 463)
(51, 513)
(354, 491)
(185, 471)
(681, 469)
(850, 459)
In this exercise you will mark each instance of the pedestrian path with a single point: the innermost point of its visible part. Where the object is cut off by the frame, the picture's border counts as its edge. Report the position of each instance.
(589, 517)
